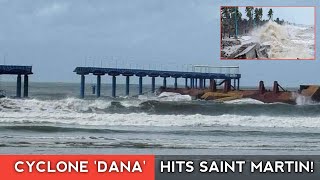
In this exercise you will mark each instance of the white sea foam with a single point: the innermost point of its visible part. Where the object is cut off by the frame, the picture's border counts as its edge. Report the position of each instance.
(72, 111)
(244, 101)
(79, 105)
(166, 96)
(52, 106)
(144, 119)
(170, 96)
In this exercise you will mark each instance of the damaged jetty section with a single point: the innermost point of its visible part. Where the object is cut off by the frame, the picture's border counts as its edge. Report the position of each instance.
(276, 94)
(20, 71)
(233, 49)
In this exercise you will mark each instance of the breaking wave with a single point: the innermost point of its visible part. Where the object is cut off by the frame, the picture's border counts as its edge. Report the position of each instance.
(244, 101)
(144, 119)
(135, 112)
(286, 41)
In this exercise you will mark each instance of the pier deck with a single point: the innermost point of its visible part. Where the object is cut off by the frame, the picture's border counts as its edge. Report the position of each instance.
(197, 78)
(15, 70)
(19, 71)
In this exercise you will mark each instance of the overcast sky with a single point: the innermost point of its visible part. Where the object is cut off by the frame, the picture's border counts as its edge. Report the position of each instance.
(298, 15)
(55, 36)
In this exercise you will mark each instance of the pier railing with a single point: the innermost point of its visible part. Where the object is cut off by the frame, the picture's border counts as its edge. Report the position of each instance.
(228, 70)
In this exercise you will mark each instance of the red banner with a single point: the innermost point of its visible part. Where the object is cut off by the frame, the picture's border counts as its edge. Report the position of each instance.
(61, 167)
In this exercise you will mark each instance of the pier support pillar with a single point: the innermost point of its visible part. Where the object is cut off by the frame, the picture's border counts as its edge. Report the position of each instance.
(82, 85)
(127, 85)
(19, 86)
(191, 86)
(213, 85)
(175, 83)
(227, 85)
(204, 83)
(234, 84)
(186, 82)
(98, 85)
(275, 87)
(262, 89)
(153, 84)
(196, 84)
(165, 82)
(192, 82)
(238, 87)
(201, 83)
(114, 85)
(26, 86)
(140, 85)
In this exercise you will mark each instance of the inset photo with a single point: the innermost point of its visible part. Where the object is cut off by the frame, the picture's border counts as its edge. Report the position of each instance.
(267, 33)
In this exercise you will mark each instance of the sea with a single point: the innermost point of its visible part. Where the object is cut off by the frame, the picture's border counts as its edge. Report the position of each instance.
(54, 120)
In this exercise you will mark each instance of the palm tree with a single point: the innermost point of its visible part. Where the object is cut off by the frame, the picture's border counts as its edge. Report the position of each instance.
(225, 18)
(256, 16)
(236, 18)
(224, 12)
(270, 14)
(230, 10)
(249, 13)
(260, 14)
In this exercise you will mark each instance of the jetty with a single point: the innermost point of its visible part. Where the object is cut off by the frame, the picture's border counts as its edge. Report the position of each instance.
(196, 77)
(20, 71)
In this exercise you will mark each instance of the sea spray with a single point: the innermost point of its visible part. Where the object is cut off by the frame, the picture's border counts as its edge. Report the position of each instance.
(303, 100)
(285, 41)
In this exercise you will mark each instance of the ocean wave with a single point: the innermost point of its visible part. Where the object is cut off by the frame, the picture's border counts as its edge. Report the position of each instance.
(78, 107)
(103, 132)
(287, 41)
(144, 119)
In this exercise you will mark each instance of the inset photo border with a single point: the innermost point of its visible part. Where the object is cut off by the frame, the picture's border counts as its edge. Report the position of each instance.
(267, 33)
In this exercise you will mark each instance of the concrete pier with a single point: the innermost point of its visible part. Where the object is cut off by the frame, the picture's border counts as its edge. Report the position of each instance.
(175, 83)
(140, 85)
(19, 86)
(114, 86)
(192, 82)
(165, 82)
(127, 85)
(153, 84)
(82, 86)
(201, 83)
(98, 85)
(19, 71)
(186, 82)
(26, 86)
(194, 76)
